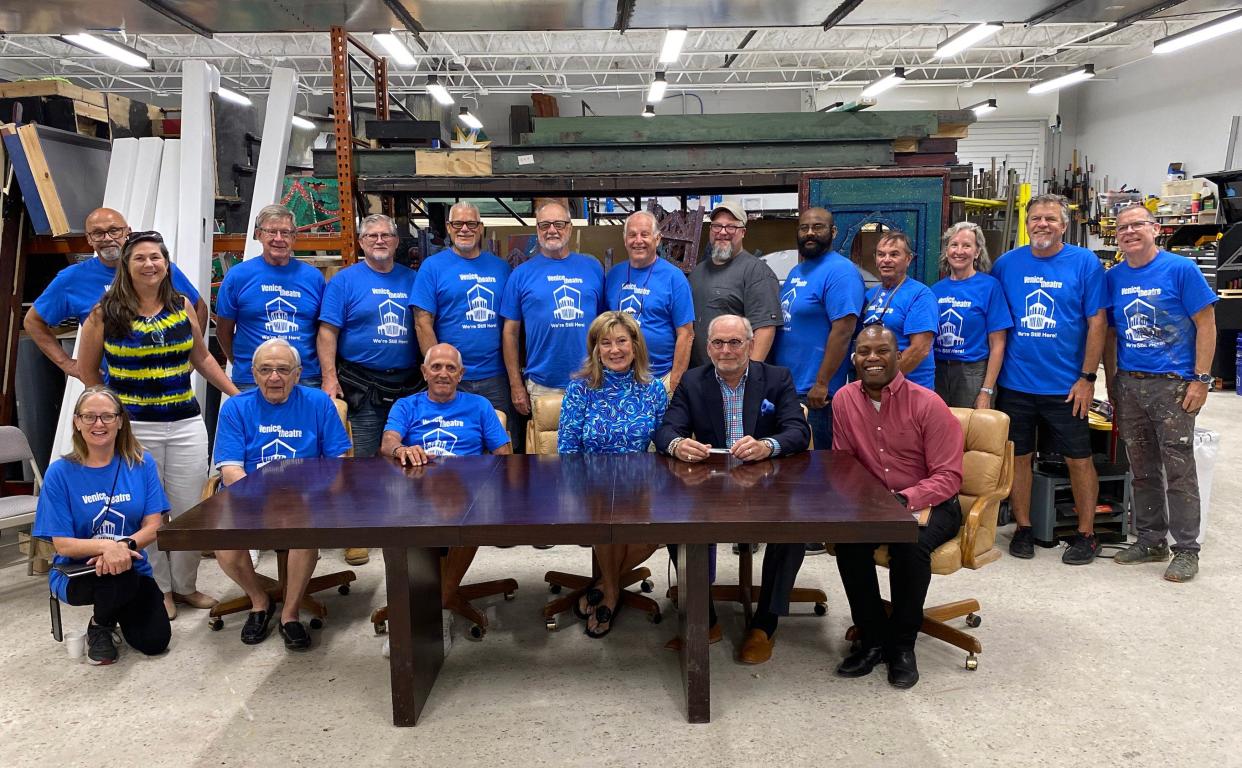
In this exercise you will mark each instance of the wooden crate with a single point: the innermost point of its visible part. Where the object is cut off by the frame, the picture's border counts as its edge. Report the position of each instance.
(453, 162)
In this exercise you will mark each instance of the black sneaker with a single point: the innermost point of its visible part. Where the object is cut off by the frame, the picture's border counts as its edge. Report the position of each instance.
(295, 635)
(1081, 550)
(101, 648)
(1023, 542)
(258, 625)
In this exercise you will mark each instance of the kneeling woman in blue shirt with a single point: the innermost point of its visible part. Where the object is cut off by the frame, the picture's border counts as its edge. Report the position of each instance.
(100, 505)
(612, 405)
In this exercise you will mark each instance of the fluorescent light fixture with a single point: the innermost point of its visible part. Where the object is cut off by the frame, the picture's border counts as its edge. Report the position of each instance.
(674, 39)
(396, 49)
(438, 92)
(1230, 22)
(122, 53)
(1085, 72)
(983, 107)
(303, 123)
(234, 96)
(649, 110)
(972, 35)
(468, 119)
(655, 94)
(888, 82)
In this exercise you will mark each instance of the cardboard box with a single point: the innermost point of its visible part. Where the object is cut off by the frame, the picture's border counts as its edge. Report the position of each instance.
(453, 162)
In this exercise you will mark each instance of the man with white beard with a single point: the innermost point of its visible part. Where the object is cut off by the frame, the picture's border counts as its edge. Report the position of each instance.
(733, 282)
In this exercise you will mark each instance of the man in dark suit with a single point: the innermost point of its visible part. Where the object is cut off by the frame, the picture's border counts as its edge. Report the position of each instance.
(751, 409)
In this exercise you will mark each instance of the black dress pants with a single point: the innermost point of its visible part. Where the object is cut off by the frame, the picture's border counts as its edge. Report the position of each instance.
(909, 575)
(132, 601)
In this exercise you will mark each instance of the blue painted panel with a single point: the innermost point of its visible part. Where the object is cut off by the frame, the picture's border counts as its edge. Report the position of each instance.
(26, 181)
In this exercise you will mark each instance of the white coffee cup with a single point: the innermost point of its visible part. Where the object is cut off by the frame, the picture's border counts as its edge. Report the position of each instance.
(75, 644)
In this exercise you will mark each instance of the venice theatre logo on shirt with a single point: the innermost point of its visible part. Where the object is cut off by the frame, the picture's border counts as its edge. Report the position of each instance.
(787, 301)
(480, 300)
(567, 298)
(1040, 306)
(631, 300)
(281, 314)
(107, 523)
(277, 449)
(1141, 326)
(391, 319)
(440, 441)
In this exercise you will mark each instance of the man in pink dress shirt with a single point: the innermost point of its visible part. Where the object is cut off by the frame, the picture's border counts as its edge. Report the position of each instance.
(907, 437)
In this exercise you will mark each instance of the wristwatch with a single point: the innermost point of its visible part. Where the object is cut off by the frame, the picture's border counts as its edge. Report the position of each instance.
(1204, 378)
(1089, 377)
(987, 391)
(902, 498)
(127, 541)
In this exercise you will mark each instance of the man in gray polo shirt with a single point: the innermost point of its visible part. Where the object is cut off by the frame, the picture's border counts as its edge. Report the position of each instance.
(733, 282)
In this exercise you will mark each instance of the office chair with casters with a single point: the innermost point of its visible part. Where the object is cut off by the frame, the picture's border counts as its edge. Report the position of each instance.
(275, 588)
(541, 435)
(466, 593)
(987, 476)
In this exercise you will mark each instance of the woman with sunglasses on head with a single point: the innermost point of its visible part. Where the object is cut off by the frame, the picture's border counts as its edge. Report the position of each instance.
(100, 506)
(149, 337)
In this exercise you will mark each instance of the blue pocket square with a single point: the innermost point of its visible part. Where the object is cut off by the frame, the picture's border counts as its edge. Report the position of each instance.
(767, 407)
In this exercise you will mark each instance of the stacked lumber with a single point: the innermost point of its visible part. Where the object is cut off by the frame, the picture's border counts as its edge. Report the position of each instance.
(62, 105)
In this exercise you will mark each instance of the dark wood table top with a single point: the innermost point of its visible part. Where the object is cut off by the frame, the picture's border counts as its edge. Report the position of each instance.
(529, 499)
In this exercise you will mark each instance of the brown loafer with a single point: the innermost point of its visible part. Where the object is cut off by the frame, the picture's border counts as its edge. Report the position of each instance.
(714, 635)
(196, 600)
(357, 555)
(757, 648)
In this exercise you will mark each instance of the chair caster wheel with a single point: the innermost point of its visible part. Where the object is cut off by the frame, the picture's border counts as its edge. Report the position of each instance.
(343, 589)
(972, 662)
(973, 620)
(216, 624)
(554, 589)
(381, 627)
(550, 624)
(655, 618)
(509, 596)
(821, 609)
(316, 623)
(647, 586)
(476, 632)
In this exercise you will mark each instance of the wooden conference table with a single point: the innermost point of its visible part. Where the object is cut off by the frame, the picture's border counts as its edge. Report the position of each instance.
(527, 499)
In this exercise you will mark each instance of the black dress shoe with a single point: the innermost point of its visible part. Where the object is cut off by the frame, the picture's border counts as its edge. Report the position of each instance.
(258, 624)
(295, 635)
(903, 671)
(860, 662)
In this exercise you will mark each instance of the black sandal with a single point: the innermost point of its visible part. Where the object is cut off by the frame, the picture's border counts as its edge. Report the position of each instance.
(604, 615)
(594, 597)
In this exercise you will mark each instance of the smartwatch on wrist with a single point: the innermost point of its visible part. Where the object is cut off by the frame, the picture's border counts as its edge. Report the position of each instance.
(1088, 377)
(127, 541)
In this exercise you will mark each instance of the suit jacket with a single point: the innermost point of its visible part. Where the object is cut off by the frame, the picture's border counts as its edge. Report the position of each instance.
(697, 409)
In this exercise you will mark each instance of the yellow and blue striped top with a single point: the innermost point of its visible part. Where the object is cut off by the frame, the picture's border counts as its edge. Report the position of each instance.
(149, 369)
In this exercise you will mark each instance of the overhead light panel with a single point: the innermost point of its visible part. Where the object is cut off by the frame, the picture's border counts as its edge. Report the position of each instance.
(655, 93)
(438, 91)
(122, 53)
(469, 120)
(396, 49)
(972, 35)
(886, 83)
(303, 123)
(649, 110)
(234, 96)
(983, 107)
(1085, 72)
(1231, 22)
(674, 39)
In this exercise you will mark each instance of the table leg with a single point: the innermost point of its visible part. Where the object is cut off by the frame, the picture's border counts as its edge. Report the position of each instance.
(415, 629)
(692, 599)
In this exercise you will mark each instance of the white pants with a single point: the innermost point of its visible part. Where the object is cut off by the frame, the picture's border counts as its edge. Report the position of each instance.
(180, 452)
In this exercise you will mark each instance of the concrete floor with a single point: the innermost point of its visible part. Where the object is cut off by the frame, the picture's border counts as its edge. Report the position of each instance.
(1100, 665)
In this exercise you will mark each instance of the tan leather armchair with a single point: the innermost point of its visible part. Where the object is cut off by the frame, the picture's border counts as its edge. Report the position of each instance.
(545, 420)
(987, 475)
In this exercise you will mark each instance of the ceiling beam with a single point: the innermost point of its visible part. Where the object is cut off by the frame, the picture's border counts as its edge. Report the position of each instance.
(838, 15)
(1055, 10)
(172, 13)
(412, 25)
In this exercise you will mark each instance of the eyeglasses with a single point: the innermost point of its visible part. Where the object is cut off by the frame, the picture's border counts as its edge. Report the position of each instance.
(560, 226)
(816, 228)
(111, 233)
(467, 225)
(285, 233)
(726, 228)
(732, 344)
(91, 418)
(1135, 227)
(283, 371)
(371, 237)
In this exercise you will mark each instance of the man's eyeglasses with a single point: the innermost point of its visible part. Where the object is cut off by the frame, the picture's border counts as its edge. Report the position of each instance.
(559, 225)
(471, 226)
(1134, 227)
(111, 233)
(727, 228)
(732, 344)
(818, 229)
(283, 371)
(285, 233)
(91, 418)
(371, 237)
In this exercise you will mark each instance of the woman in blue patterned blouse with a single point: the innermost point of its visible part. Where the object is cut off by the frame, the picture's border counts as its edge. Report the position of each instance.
(613, 405)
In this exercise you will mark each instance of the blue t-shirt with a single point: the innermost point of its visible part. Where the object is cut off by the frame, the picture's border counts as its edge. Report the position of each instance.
(269, 302)
(1151, 307)
(370, 309)
(556, 300)
(76, 289)
(463, 295)
(816, 293)
(1050, 300)
(969, 310)
(907, 310)
(80, 502)
(658, 297)
(467, 425)
(251, 431)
